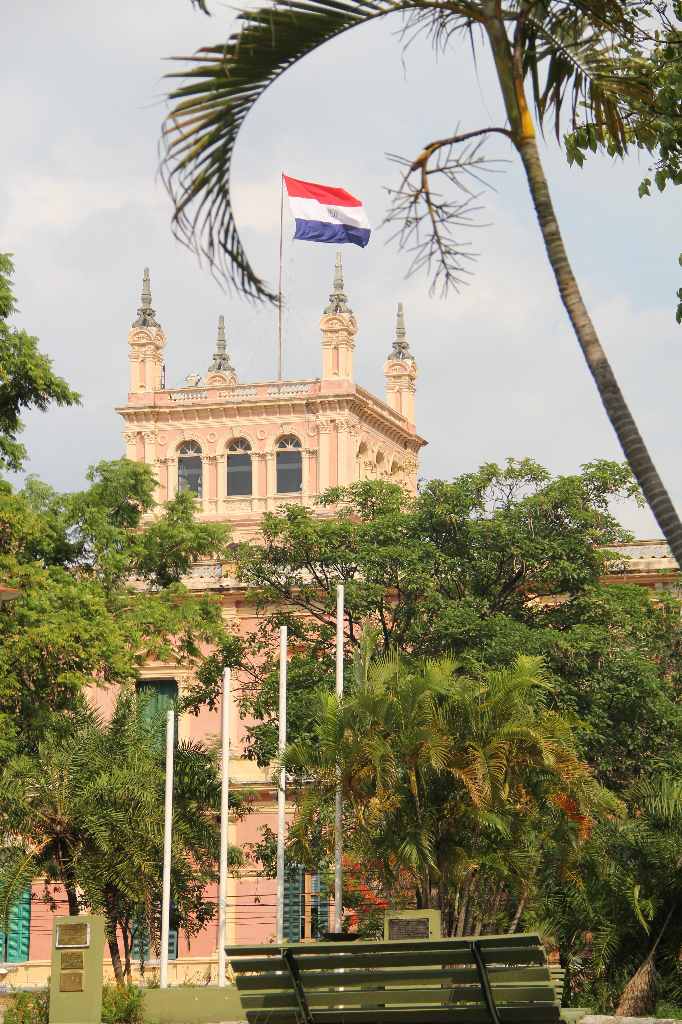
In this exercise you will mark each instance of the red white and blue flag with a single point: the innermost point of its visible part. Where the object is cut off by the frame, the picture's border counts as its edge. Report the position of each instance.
(326, 214)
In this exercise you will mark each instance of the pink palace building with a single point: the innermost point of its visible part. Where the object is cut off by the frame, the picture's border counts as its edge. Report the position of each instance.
(245, 448)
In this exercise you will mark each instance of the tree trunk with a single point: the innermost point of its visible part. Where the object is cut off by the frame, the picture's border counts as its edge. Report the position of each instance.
(72, 897)
(112, 942)
(517, 915)
(620, 417)
(639, 995)
(616, 407)
(125, 932)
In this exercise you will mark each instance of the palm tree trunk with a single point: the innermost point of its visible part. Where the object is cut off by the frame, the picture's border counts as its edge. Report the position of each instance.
(616, 407)
(638, 998)
(620, 417)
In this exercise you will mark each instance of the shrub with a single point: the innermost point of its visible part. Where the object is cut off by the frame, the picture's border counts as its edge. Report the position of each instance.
(28, 1008)
(122, 1005)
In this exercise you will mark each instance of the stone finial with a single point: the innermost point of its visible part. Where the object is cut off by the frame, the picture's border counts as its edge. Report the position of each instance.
(401, 346)
(338, 300)
(221, 359)
(146, 316)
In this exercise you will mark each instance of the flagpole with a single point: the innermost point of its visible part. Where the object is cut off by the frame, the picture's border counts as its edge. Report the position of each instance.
(338, 803)
(281, 789)
(279, 293)
(224, 825)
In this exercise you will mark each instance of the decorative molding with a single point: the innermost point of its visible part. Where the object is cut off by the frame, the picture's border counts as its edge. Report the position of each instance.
(288, 390)
(188, 396)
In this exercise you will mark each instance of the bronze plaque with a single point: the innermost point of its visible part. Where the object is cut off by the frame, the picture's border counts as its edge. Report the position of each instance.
(72, 961)
(71, 981)
(408, 927)
(73, 935)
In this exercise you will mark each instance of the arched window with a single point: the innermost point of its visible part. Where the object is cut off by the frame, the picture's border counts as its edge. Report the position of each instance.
(289, 465)
(239, 479)
(189, 467)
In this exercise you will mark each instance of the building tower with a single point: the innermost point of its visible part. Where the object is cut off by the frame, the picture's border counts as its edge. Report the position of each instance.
(146, 342)
(221, 370)
(400, 372)
(338, 328)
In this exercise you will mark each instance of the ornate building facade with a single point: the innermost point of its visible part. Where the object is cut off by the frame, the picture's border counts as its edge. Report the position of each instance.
(247, 448)
(244, 448)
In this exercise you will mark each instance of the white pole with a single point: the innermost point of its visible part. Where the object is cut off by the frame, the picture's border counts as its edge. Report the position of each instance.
(167, 839)
(338, 822)
(281, 790)
(224, 825)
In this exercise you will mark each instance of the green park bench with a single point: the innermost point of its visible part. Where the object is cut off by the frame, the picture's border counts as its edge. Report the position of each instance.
(494, 979)
(569, 1014)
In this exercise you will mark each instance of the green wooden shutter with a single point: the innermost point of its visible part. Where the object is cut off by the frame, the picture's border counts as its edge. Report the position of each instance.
(14, 944)
(320, 906)
(141, 942)
(160, 695)
(293, 890)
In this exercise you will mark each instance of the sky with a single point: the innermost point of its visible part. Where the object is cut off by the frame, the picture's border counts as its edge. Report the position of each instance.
(83, 209)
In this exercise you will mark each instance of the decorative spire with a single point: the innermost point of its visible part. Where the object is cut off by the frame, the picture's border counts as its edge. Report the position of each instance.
(338, 300)
(221, 360)
(146, 316)
(401, 346)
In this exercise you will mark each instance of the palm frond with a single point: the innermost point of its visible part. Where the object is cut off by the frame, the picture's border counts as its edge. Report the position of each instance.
(224, 83)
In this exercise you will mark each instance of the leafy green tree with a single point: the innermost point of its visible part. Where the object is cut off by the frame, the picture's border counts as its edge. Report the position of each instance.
(86, 810)
(27, 380)
(499, 563)
(100, 595)
(615, 913)
(446, 777)
(591, 66)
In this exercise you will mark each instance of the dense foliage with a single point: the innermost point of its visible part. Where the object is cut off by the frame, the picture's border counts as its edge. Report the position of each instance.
(81, 792)
(499, 573)
(27, 380)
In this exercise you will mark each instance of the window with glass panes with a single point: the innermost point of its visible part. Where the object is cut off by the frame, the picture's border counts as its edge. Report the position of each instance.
(289, 465)
(239, 473)
(189, 467)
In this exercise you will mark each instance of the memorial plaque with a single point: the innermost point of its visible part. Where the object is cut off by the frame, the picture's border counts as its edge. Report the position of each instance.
(408, 928)
(73, 936)
(71, 981)
(72, 961)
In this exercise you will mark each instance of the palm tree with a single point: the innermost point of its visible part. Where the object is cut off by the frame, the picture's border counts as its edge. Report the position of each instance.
(87, 811)
(444, 777)
(588, 56)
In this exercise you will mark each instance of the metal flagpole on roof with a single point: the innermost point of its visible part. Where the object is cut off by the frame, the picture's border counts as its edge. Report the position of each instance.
(281, 790)
(338, 820)
(280, 298)
(167, 840)
(224, 825)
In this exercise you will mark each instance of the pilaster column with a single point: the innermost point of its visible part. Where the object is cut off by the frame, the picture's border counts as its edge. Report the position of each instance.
(309, 482)
(270, 479)
(130, 438)
(324, 457)
(208, 482)
(342, 475)
(259, 485)
(149, 446)
(221, 479)
(163, 481)
(172, 471)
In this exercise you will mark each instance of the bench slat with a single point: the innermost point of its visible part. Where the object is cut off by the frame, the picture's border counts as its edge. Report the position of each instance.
(521, 955)
(469, 994)
(312, 948)
(539, 1013)
(321, 979)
